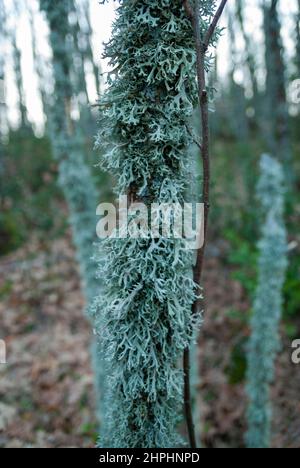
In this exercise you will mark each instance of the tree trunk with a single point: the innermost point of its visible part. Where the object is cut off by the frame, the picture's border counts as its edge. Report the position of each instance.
(298, 41)
(74, 175)
(147, 302)
(276, 104)
(250, 57)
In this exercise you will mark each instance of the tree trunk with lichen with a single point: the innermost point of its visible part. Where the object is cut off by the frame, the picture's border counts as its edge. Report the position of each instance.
(264, 342)
(144, 316)
(74, 174)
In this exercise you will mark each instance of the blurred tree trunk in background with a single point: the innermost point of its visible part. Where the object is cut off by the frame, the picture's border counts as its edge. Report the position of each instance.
(39, 66)
(89, 55)
(3, 105)
(78, 62)
(277, 114)
(18, 73)
(82, 64)
(237, 98)
(75, 176)
(249, 57)
(298, 41)
(80, 39)
(2, 111)
(20, 86)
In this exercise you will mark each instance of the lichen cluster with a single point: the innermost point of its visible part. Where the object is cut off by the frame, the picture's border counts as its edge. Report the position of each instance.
(264, 342)
(143, 318)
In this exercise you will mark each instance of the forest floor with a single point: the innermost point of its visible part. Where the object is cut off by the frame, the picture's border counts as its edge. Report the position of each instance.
(46, 396)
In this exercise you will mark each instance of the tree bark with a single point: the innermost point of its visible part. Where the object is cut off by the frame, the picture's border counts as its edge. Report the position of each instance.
(276, 98)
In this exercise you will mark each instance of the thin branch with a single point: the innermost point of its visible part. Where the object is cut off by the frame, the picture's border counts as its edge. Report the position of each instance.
(201, 48)
(194, 137)
(204, 156)
(214, 24)
(188, 9)
(188, 400)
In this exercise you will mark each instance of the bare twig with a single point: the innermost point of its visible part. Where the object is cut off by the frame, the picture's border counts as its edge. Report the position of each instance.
(194, 137)
(188, 400)
(201, 48)
(188, 9)
(214, 24)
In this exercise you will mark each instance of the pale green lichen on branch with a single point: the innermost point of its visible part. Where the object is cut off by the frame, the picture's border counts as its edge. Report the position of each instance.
(144, 318)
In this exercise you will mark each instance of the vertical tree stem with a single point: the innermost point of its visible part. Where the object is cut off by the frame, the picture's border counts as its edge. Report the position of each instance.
(201, 48)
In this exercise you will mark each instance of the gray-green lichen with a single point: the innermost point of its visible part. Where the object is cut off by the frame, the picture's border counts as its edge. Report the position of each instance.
(144, 318)
(265, 341)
